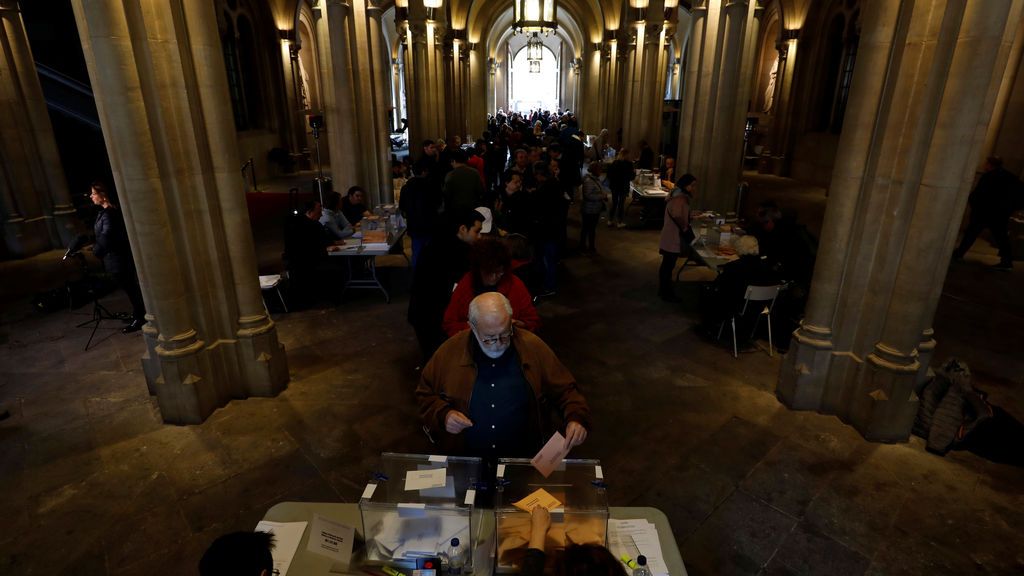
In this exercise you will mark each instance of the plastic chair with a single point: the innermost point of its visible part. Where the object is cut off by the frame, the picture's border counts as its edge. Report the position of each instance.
(273, 282)
(757, 295)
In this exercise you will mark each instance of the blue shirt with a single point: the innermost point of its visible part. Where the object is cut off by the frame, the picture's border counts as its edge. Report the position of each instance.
(499, 408)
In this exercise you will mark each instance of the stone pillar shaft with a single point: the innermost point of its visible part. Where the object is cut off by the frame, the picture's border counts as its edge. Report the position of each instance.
(340, 111)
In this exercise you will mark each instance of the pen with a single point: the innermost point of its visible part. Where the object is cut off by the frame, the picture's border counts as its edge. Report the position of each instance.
(628, 561)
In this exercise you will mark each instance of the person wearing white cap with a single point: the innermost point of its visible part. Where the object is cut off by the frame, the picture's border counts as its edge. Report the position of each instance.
(488, 224)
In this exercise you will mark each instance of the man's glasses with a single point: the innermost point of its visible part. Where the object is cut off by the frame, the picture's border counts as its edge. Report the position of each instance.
(503, 338)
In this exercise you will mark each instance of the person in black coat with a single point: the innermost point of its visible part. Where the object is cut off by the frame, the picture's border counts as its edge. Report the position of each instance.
(441, 264)
(305, 249)
(420, 202)
(113, 249)
(726, 295)
(992, 204)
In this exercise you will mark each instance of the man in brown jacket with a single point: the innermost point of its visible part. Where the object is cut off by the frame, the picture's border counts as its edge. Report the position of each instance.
(488, 391)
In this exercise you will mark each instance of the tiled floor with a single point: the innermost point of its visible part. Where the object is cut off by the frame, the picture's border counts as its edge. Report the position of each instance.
(94, 483)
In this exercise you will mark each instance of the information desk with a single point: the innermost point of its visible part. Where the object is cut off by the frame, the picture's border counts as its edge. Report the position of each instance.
(307, 563)
(355, 249)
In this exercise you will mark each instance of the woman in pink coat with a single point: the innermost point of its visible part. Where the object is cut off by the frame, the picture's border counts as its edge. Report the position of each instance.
(675, 233)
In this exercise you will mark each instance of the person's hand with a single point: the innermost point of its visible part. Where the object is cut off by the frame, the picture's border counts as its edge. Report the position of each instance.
(518, 323)
(575, 434)
(540, 522)
(456, 422)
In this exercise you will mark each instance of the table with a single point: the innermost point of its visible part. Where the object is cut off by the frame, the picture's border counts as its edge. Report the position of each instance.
(306, 563)
(355, 248)
(651, 199)
(704, 249)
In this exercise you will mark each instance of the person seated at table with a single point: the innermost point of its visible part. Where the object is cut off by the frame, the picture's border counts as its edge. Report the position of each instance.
(354, 205)
(490, 270)
(668, 172)
(589, 559)
(305, 248)
(725, 296)
(333, 219)
(441, 263)
(239, 554)
(488, 391)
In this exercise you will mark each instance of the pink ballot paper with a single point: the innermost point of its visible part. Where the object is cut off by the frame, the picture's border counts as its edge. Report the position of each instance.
(551, 455)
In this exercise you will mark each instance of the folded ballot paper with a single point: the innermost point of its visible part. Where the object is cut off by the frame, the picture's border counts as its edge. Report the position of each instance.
(418, 536)
(631, 538)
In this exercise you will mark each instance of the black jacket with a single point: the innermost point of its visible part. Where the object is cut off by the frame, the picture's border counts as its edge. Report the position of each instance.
(420, 202)
(112, 245)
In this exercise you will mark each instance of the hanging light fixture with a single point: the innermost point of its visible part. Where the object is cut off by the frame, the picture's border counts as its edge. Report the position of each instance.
(534, 48)
(535, 15)
(534, 66)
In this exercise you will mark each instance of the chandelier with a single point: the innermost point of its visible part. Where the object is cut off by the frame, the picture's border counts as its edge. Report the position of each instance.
(534, 66)
(534, 15)
(534, 48)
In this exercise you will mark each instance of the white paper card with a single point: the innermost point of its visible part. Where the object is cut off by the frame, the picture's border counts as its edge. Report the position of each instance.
(598, 472)
(287, 536)
(470, 497)
(368, 491)
(423, 479)
(501, 471)
(435, 458)
(331, 539)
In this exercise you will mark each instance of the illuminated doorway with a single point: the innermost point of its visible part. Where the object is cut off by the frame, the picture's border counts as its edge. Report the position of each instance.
(536, 88)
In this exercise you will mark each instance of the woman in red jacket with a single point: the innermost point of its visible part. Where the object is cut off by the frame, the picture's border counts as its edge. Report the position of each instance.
(490, 270)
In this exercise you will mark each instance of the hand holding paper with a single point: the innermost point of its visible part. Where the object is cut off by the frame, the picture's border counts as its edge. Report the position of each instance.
(551, 455)
(575, 434)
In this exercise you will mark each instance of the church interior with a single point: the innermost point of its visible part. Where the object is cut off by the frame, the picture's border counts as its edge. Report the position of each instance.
(869, 122)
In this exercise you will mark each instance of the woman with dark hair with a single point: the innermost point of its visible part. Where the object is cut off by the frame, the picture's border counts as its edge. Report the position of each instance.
(113, 249)
(675, 233)
(490, 271)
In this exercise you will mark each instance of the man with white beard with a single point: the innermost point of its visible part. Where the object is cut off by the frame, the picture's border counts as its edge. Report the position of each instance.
(489, 391)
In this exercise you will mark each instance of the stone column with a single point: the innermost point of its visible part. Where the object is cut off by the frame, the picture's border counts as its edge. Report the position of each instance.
(340, 108)
(805, 370)
(162, 99)
(379, 56)
(261, 357)
(911, 142)
(32, 106)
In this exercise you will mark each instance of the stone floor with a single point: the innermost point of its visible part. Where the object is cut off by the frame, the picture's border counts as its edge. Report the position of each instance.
(94, 483)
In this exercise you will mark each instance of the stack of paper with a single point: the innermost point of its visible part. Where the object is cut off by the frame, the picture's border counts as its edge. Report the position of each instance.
(416, 537)
(631, 538)
(286, 541)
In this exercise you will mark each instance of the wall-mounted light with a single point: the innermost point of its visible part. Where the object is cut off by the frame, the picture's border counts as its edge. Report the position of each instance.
(431, 5)
(641, 9)
(492, 66)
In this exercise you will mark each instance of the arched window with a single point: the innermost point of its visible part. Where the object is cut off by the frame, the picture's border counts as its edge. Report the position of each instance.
(839, 57)
(242, 63)
(537, 88)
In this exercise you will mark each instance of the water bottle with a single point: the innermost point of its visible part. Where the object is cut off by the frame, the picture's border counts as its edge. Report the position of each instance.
(641, 567)
(456, 557)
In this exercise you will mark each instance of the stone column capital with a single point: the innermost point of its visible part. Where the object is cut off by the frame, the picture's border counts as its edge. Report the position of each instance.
(375, 12)
(342, 4)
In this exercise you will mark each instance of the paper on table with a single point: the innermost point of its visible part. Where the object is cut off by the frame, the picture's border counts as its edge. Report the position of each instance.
(634, 537)
(540, 497)
(446, 491)
(423, 479)
(331, 539)
(286, 541)
(551, 455)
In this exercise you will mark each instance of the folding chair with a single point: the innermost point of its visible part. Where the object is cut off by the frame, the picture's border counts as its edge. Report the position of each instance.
(757, 295)
(273, 282)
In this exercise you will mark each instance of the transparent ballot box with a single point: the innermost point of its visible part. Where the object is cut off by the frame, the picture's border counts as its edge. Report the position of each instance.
(582, 518)
(415, 504)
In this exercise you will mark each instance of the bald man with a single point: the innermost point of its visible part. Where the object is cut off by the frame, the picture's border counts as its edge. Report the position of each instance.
(489, 391)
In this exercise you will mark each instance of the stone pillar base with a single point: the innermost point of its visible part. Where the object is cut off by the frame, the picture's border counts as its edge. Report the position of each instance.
(184, 392)
(885, 403)
(805, 371)
(65, 220)
(26, 238)
(263, 363)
